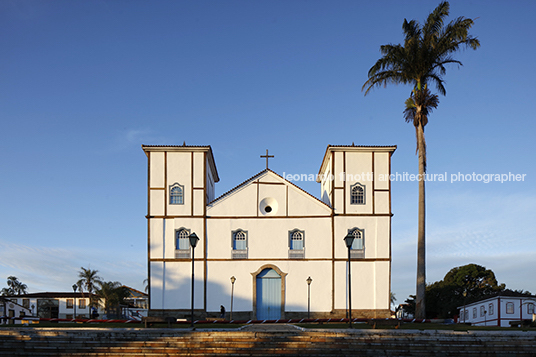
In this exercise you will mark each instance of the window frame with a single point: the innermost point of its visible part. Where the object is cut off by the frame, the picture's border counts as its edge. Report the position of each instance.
(82, 303)
(239, 253)
(179, 197)
(182, 253)
(474, 313)
(530, 308)
(491, 309)
(509, 308)
(291, 234)
(69, 303)
(295, 253)
(355, 198)
(357, 252)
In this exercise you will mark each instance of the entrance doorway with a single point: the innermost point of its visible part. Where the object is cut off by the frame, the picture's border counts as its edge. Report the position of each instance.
(268, 295)
(48, 308)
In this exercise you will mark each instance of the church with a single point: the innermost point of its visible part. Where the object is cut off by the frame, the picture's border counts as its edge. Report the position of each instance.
(268, 249)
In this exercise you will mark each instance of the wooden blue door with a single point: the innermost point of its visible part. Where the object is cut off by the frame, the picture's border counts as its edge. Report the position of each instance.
(268, 295)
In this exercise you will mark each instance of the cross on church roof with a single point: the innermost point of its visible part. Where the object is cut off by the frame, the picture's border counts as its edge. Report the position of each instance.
(267, 157)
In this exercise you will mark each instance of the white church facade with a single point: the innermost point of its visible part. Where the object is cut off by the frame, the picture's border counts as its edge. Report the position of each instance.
(270, 236)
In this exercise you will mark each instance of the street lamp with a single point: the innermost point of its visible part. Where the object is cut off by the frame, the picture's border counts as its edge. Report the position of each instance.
(193, 242)
(233, 279)
(309, 281)
(74, 289)
(464, 297)
(349, 240)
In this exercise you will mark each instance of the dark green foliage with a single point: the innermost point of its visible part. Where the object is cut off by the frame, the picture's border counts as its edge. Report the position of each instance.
(14, 287)
(409, 306)
(88, 279)
(474, 281)
(425, 52)
(112, 295)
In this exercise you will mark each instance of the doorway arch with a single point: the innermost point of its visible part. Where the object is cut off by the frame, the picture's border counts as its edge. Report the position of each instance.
(268, 293)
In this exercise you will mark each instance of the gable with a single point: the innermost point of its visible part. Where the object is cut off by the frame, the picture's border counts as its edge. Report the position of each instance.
(267, 195)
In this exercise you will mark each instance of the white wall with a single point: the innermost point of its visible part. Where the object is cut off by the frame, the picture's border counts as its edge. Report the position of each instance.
(268, 235)
(499, 315)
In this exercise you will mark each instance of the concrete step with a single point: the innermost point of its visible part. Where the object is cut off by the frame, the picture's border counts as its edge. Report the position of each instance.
(141, 342)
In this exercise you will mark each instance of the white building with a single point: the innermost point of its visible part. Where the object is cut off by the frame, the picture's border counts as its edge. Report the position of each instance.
(59, 305)
(270, 235)
(10, 308)
(498, 311)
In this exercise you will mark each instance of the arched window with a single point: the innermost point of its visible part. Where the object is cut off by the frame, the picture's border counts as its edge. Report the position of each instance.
(176, 194)
(296, 240)
(357, 194)
(358, 243)
(240, 240)
(510, 308)
(357, 250)
(182, 239)
(296, 244)
(530, 308)
(239, 244)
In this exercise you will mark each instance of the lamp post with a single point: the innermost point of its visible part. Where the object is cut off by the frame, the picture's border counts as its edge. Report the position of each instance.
(309, 281)
(193, 242)
(233, 279)
(464, 297)
(75, 287)
(349, 240)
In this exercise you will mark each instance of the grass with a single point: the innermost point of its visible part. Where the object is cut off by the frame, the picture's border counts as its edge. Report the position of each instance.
(120, 325)
(417, 326)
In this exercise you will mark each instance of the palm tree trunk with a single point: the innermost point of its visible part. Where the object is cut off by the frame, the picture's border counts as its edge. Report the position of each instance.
(420, 311)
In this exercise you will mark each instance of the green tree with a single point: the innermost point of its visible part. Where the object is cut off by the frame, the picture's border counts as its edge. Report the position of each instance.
(14, 287)
(87, 280)
(419, 61)
(409, 305)
(461, 285)
(112, 294)
(146, 284)
(392, 298)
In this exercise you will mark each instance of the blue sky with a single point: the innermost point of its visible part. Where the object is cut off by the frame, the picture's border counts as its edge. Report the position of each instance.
(84, 83)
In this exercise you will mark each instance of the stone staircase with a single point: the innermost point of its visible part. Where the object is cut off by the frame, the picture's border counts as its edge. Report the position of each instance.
(135, 342)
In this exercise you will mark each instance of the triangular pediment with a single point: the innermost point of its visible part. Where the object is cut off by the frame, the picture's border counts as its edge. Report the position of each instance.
(267, 195)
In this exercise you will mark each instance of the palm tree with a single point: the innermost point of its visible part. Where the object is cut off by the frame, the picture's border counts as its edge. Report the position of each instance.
(146, 283)
(112, 294)
(15, 287)
(88, 280)
(419, 61)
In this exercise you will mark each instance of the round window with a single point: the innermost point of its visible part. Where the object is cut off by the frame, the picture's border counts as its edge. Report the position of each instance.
(268, 206)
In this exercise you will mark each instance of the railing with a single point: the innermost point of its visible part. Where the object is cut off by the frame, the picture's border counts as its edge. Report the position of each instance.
(182, 253)
(296, 253)
(239, 254)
